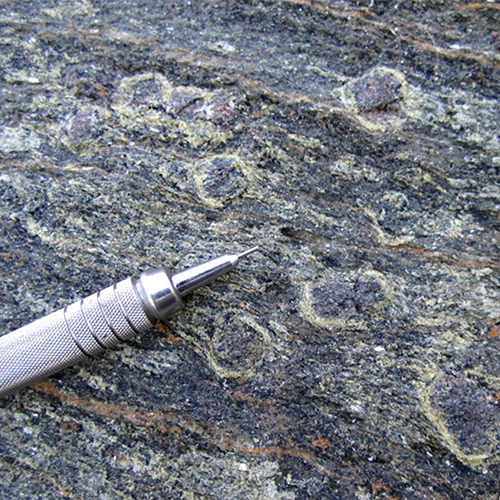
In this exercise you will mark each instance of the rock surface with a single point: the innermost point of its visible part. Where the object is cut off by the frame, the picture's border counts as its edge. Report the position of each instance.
(357, 356)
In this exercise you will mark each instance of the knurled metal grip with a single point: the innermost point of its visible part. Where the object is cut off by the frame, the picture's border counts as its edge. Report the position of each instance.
(84, 329)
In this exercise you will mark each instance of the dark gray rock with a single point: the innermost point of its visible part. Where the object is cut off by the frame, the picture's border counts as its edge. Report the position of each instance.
(357, 142)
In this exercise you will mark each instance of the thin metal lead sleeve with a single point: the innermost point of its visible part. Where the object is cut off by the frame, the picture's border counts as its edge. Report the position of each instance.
(99, 322)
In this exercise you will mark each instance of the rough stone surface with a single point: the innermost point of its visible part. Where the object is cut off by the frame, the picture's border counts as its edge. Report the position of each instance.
(355, 357)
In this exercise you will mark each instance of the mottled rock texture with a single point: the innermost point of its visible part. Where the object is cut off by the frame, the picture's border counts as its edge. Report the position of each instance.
(355, 357)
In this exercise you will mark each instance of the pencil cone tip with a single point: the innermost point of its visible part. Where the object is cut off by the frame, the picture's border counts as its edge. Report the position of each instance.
(248, 252)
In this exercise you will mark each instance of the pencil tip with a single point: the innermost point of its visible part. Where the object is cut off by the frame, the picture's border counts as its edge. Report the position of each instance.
(248, 252)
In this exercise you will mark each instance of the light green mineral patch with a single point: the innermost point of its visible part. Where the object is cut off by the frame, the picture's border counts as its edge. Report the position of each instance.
(242, 478)
(18, 139)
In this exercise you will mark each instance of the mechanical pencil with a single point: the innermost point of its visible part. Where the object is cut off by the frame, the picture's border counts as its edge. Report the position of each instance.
(99, 322)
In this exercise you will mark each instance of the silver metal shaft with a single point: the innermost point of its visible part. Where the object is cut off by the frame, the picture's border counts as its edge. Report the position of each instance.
(191, 279)
(99, 322)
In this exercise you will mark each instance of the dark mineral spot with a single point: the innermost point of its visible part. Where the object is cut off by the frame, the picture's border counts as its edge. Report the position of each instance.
(393, 212)
(221, 108)
(238, 346)
(193, 104)
(377, 92)
(288, 231)
(147, 93)
(71, 426)
(334, 299)
(81, 127)
(368, 293)
(221, 178)
(186, 102)
(91, 89)
(469, 411)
